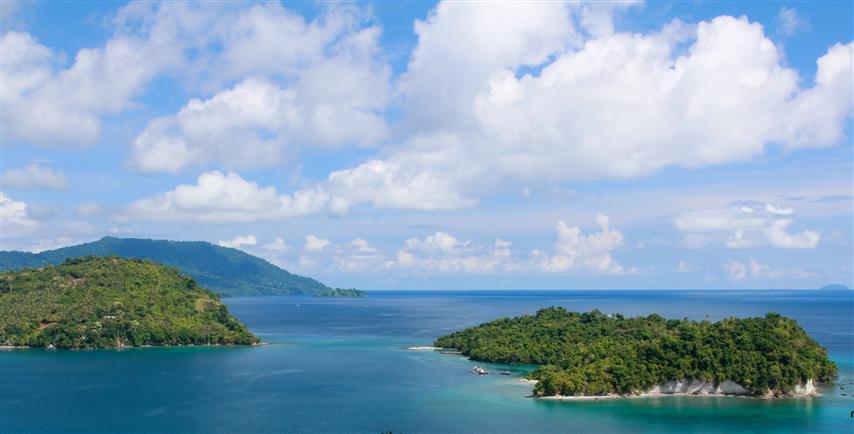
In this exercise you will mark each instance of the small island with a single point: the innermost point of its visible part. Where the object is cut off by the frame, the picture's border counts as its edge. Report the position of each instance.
(593, 355)
(109, 302)
(834, 287)
(342, 292)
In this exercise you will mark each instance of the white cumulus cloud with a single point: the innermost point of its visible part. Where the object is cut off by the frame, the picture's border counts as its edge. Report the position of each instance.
(461, 44)
(47, 102)
(389, 184)
(52, 243)
(219, 197)
(575, 250)
(739, 228)
(444, 253)
(35, 176)
(314, 243)
(737, 270)
(330, 68)
(239, 241)
(356, 256)
(15, 219)
(225, 198)
(89, 209)
(608, 105)
(789, 22)
(632, 98)
(778, 237)
(779, 210)
(276, 246)
(319, 83)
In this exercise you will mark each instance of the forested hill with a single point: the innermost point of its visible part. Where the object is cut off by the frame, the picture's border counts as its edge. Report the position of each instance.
(595, 354)
(230, 272)
(97, 302)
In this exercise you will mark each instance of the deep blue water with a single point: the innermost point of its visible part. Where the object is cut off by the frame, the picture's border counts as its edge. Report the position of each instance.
(338, 365)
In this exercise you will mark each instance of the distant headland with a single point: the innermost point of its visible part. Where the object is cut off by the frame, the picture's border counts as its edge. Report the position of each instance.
(834, 287)
(227, 271)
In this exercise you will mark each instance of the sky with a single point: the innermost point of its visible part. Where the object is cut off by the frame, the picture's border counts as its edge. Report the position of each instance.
(449, 145)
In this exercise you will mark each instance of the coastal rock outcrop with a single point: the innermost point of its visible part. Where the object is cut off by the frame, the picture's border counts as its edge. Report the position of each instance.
(697, 387)
(799, 391)
(726, 387)
(807, 388)
(694, 387)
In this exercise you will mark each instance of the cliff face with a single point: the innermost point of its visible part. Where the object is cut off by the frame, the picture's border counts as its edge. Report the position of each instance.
(693, 387)
(807, 389)
(697, 387)
(726, 387)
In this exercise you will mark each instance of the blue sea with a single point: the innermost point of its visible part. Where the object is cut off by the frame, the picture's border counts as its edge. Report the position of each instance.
(339, 366)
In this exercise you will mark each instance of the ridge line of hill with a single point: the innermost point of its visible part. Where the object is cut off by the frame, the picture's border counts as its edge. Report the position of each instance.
(227, 271)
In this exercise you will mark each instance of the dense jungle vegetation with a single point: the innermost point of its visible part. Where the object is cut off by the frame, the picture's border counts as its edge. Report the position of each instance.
(594, 354)
(98, 302)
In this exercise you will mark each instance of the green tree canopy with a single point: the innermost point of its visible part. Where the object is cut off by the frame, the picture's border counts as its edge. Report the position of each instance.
(593, 354)
(97, 302)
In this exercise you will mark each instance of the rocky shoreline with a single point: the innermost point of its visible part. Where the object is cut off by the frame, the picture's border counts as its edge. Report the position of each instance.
(688, 387)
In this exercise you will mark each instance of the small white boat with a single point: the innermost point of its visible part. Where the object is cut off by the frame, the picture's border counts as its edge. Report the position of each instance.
(479, 371)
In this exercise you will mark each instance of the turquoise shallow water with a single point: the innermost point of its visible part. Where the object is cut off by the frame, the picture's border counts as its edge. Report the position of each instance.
(338, 365)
